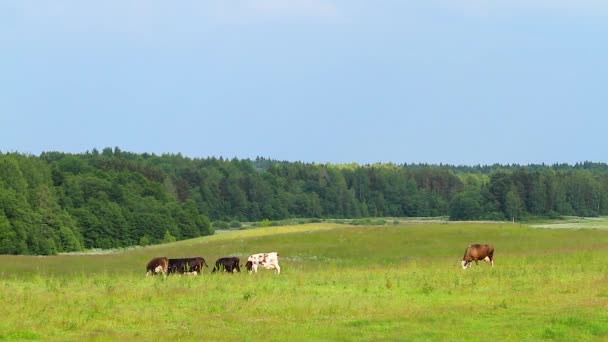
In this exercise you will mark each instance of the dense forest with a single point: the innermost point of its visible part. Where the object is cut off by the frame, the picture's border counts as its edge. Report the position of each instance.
(59, 202)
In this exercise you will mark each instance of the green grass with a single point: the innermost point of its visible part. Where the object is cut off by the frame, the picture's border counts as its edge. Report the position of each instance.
(572, 222)
(338, 282)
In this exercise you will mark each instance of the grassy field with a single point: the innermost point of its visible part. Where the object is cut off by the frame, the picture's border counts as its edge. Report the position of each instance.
(338, 283)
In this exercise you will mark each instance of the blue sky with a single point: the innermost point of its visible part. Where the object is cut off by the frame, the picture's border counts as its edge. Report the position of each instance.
(437, 81)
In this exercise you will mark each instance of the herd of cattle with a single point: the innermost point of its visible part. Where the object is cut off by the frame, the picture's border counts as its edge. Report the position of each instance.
(194, 266)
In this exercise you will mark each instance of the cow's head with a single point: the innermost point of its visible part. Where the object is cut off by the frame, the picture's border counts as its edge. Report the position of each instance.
(464, 264)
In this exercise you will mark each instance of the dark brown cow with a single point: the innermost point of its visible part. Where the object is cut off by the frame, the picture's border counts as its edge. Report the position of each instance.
(227, 264)
(187, 265)
(157, 265)
(249, 266)
(477, 252)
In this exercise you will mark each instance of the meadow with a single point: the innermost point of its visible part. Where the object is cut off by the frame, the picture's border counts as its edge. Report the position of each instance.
(338, 283)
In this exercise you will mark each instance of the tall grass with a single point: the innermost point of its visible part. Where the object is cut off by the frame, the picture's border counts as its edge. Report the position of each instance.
(337, 283)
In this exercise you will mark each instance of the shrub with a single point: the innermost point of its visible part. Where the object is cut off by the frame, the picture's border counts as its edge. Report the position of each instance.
(493, 216)
(362, 222)
(168, 237)
(220, 225)
(144, 240)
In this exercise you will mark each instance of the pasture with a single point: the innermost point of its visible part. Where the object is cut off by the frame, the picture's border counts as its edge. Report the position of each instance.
(338, 283)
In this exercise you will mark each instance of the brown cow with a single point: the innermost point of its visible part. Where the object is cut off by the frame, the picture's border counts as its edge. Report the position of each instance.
(477, 252)
(157, 265)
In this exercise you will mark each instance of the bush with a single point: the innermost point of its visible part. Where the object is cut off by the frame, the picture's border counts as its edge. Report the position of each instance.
(168, 237)
(235, 224)
(220, 225)
(493, 216)
(144, 241)
(362, 222)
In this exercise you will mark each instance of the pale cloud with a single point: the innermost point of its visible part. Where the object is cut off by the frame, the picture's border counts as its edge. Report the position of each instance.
(143, 17)
(146, 8)
(313, 8)
(247, 11)
(567, 7)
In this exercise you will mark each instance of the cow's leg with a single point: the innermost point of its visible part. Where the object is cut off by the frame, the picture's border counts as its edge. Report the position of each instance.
(278, 268)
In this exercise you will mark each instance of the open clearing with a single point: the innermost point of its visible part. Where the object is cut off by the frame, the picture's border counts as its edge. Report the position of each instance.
(338, 282)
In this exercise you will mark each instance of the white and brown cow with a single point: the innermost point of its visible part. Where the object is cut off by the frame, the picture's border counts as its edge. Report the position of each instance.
(265, 260)
(157, 266)
(477, 252)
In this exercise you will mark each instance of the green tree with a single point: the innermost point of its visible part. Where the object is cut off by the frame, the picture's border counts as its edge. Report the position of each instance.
(465, 206)
(69, 241)
(168, 237)
(7, 236)
(513, 205)
(144, 240)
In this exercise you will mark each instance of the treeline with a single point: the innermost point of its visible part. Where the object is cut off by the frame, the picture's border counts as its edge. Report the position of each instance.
(60, 202)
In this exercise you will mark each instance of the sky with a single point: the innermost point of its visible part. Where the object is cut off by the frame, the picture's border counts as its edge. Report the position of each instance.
(461, 82)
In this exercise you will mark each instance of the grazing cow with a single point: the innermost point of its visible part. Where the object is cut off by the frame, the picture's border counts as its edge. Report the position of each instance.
(477, 252)
(227, 264)
(187, 265)
(266, 260)
(157, 265)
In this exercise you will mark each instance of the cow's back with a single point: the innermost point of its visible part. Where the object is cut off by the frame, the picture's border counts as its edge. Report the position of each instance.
(478, 252)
